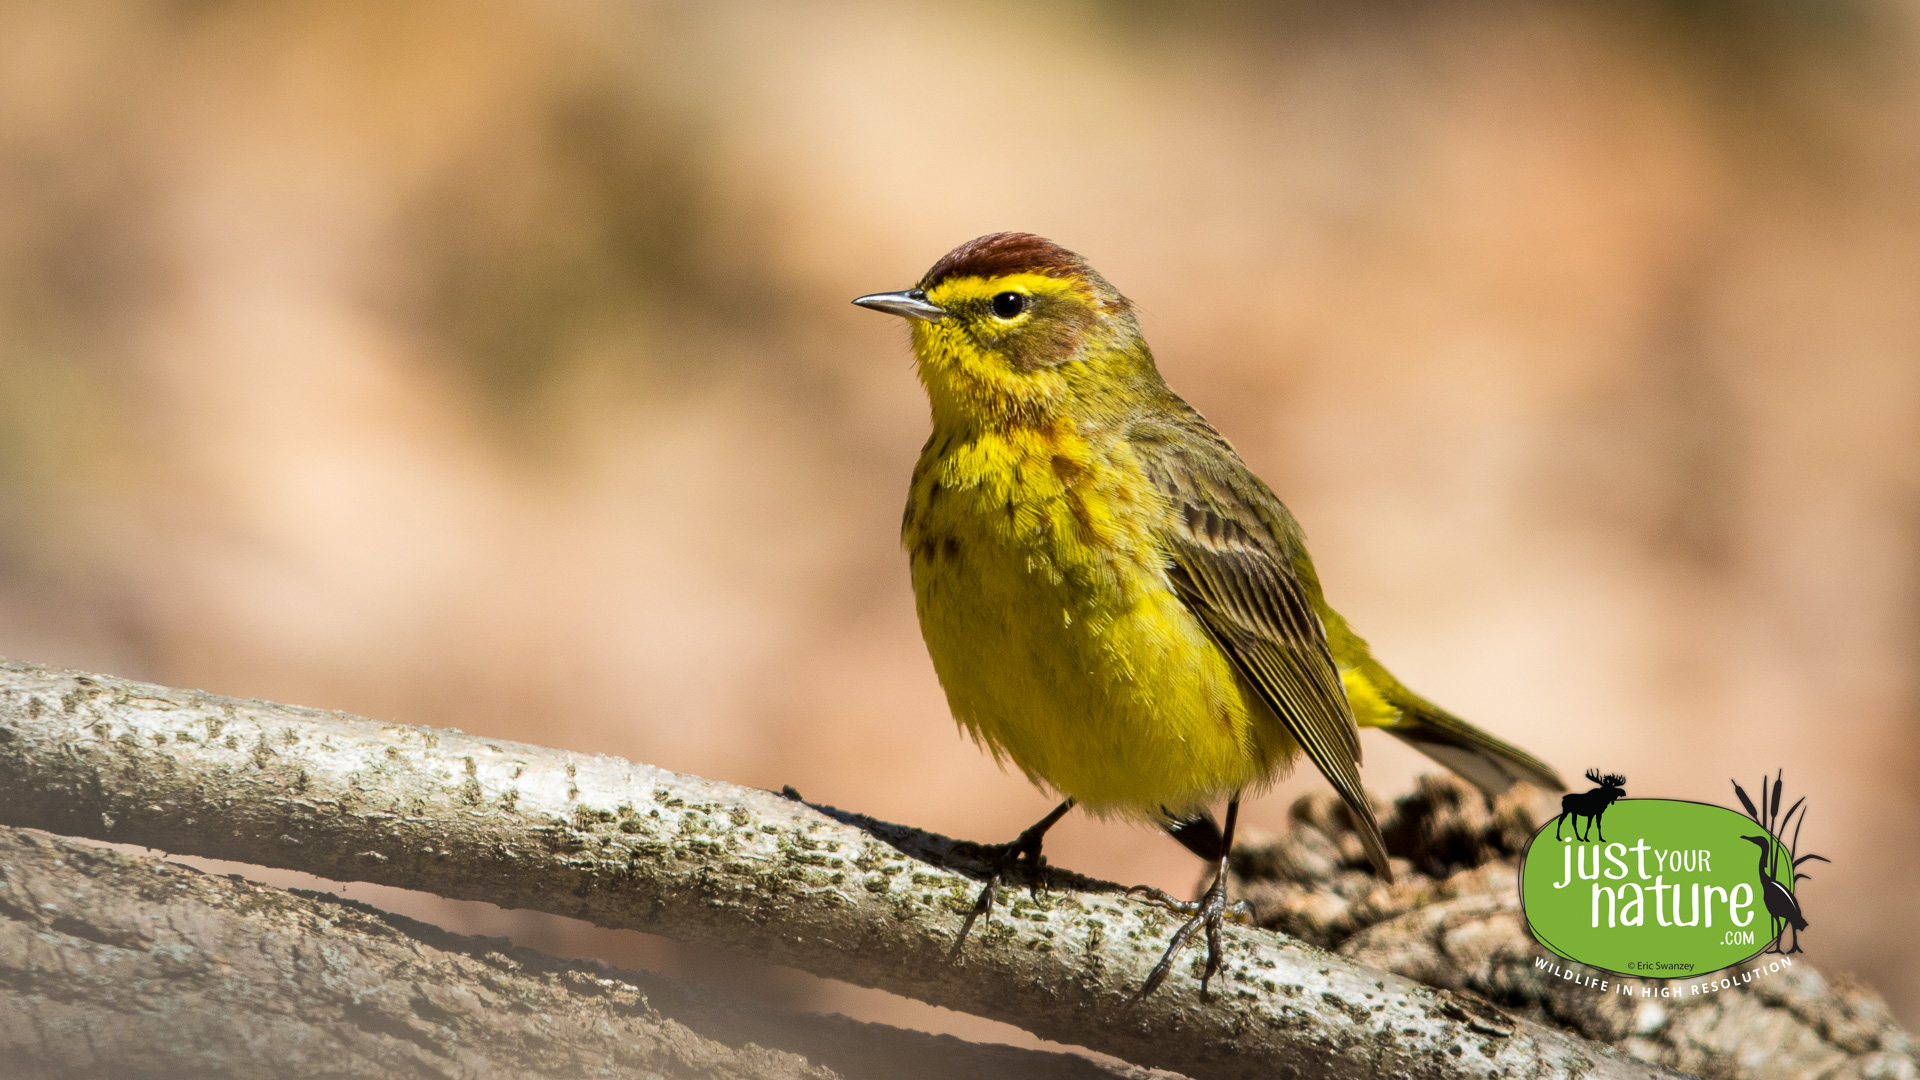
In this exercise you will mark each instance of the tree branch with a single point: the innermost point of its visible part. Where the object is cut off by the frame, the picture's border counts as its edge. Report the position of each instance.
(114, 965)
(626, 845)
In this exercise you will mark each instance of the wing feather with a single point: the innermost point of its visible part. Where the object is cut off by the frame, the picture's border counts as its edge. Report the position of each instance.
(1234, 557)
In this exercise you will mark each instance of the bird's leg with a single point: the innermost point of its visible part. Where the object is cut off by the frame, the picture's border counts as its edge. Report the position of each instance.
(1210, 911)
(1025, 846)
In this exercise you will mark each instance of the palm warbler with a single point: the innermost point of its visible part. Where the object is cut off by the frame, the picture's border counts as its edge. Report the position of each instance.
(1112, 599)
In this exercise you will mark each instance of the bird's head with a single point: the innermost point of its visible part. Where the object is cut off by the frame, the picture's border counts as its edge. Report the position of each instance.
(1013, 328)
(1765, 842)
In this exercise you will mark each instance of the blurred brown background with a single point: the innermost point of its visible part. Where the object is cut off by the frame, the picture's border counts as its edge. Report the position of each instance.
(489, 364)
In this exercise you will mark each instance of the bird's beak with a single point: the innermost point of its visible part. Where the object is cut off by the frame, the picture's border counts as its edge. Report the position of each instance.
(911, 304)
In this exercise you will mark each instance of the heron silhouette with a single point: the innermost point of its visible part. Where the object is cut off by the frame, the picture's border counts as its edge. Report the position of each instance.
(1781, 905)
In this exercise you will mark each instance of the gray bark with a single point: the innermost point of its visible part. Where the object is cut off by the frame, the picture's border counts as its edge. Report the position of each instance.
(623, 844)
(111, 965)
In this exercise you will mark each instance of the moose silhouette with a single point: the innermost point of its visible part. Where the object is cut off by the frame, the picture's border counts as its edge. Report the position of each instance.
(1590, 804)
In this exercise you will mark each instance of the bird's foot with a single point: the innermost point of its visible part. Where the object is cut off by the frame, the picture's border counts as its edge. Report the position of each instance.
(1210, 911)
(1006, 857)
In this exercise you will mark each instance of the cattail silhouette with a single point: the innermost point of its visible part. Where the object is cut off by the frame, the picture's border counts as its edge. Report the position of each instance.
(1783, 907)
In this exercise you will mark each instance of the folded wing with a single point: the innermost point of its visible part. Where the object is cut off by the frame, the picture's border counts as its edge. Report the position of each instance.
(1233, 557)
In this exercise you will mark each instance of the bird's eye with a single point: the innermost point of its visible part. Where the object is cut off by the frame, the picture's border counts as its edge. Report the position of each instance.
(1008, 304)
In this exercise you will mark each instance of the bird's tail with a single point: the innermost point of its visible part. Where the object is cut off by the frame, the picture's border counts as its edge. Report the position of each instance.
(1379, 700)
(1197, 832)
(1492, 764)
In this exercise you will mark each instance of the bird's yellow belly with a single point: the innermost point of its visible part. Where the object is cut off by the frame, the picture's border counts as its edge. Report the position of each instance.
(1075, 659)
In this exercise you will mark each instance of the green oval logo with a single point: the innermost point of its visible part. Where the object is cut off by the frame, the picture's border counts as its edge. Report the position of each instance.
(1657, 888)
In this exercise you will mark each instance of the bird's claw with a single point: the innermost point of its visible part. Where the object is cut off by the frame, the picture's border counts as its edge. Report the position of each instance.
(1209, 912)
(1164, 898)
(1239, 911)
(1006, 857)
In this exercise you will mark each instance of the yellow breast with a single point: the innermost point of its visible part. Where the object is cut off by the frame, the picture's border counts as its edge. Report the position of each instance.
(1056, 634)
